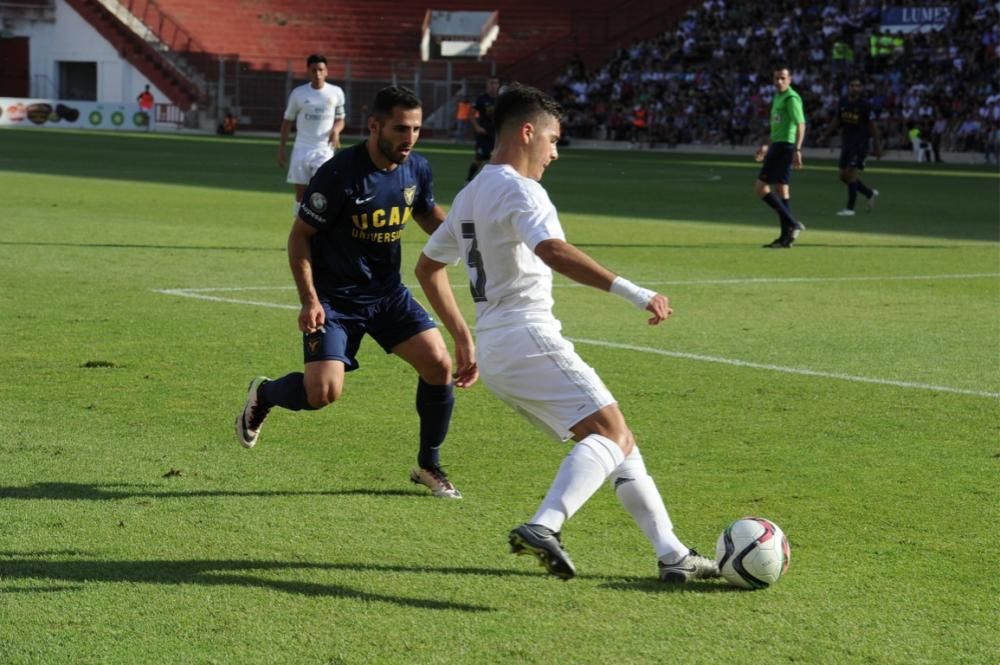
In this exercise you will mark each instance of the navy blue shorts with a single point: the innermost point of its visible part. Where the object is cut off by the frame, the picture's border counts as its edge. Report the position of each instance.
(391, 321)
(484, 146)
(777, 167)
(853, 158)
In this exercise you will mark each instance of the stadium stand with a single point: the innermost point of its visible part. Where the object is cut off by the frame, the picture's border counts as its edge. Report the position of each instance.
(707, 80)
(370, 35)
(379, 40)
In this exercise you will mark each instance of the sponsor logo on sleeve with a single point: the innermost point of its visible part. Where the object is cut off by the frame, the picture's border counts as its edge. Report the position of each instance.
(318, 202)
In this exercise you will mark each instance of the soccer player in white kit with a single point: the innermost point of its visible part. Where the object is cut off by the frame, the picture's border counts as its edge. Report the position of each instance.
(317, 111)
(507, 231)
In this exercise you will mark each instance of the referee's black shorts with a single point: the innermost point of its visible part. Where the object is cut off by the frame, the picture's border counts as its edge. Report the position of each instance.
(777, 167)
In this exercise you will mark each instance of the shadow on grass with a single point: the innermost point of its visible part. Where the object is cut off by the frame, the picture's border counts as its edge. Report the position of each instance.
(241, 573)
(117, 492)
(650, 585)
(33, 565)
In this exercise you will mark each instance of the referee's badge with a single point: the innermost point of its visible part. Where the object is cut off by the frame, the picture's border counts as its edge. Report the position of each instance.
(409, 193)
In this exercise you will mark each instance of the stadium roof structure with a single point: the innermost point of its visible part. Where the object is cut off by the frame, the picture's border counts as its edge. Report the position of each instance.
(458, 34)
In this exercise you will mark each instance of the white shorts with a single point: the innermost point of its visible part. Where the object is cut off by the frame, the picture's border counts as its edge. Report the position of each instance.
(305, 162)
(538, 373)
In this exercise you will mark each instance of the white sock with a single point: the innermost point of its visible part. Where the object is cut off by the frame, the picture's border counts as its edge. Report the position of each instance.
(637, 492)
(580, 475)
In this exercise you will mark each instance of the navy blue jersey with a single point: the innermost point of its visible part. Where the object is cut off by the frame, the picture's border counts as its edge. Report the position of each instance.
(854, 118)
(359, 212)
(485, 104)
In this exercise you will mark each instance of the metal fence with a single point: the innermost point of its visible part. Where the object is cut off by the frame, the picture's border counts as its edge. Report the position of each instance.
(258, 97)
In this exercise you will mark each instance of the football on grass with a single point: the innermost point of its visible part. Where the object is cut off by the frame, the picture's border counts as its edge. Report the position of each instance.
(753, 553)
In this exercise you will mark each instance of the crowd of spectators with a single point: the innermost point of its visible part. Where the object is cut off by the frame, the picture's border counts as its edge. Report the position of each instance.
(709, 80)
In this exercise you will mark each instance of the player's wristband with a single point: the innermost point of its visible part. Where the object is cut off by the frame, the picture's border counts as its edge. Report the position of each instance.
(634, 293)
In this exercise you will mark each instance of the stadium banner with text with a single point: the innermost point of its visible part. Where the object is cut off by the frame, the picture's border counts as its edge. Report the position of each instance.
(916, 19)
(20, 112)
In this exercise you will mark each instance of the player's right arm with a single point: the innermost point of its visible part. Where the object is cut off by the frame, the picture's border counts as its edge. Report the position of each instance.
(762, 149)
(830, 129)
(441, 249)
(311, 316)
(474, 118)
(575, 264)
(433, 278)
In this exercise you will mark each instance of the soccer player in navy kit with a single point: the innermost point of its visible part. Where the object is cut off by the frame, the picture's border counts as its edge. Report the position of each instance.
(344, 251)
(856, 120)
(482, 123)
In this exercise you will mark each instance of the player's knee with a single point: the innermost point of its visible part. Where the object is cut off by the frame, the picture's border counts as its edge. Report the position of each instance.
(626, 442)
(610, 423)
(438, 371)
(323, 394)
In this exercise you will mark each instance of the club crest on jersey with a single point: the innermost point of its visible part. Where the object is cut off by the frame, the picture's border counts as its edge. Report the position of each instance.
(409, 193)
(318, 202)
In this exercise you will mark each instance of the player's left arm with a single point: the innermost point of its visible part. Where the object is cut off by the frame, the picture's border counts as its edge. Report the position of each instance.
(426, 211)
(571, 262)
(799, 117)
(430, 219)
(338, 127)
(876, 139)
(800, 136)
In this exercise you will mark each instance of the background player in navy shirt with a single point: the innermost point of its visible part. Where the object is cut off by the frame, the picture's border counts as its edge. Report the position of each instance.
(856, 120)
(482, 123)
(344, 251)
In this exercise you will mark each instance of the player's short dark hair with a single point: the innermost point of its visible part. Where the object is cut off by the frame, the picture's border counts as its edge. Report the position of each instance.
(521, 103)
(315, 58)
(855, 77)
(778, 66)
(389, 98)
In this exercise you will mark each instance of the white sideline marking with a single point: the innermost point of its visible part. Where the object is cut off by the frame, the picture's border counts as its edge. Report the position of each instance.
(202, 294)
(786, 370)
(806, 280)
(198, 294)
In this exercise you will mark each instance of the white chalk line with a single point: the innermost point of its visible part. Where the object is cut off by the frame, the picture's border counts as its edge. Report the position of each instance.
(787, 370)
(190, 292)
(203, 294)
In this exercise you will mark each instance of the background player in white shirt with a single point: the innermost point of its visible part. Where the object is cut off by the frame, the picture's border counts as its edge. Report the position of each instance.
(507, 231)
(317, 111)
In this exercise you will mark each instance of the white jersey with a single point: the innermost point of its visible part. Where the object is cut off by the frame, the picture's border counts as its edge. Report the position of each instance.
(494, 225)
(314, 112)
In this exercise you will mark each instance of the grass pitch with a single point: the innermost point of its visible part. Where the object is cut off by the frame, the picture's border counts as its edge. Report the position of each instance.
(848, 389)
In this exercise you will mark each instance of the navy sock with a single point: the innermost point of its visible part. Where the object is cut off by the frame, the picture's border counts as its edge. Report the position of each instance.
(288, 392)
(852, 194)
(864, 189)
(779, 206)
(434, 406)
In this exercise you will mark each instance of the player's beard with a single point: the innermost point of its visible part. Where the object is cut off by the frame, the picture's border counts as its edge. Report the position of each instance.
(389, 151)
